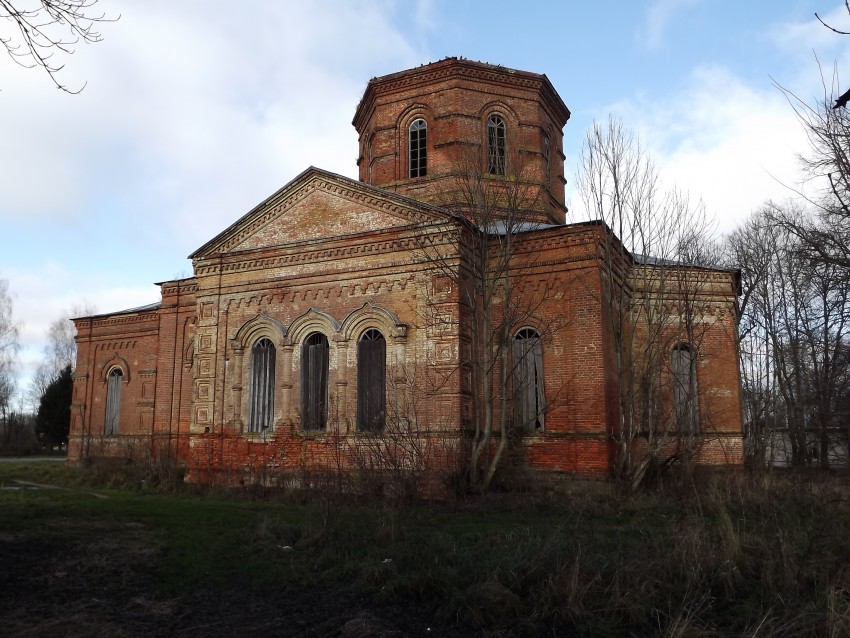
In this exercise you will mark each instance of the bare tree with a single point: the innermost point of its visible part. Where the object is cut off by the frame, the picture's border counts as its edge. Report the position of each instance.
(842, 100)
(8, 350)
(59, 352)
(654, 275)
(401, 461)
(805, 323)
(752, 247)
(42, 28)
(794, 338)
(489, 265)
(825, 233)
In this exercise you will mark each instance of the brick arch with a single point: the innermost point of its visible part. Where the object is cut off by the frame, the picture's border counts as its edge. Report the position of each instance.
(260, 326)
(189, 353)
(411, 113)
(527, 326)
(313, 320)
(368, 316)
(116, 361)
(543, 326)
(498, 107)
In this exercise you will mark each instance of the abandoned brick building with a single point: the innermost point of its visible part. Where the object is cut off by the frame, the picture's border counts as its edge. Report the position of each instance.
(333, 314)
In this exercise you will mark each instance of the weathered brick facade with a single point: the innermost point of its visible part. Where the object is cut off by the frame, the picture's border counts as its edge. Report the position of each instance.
(327, 259)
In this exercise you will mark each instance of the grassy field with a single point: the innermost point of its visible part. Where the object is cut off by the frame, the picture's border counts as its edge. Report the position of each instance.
(738, 556)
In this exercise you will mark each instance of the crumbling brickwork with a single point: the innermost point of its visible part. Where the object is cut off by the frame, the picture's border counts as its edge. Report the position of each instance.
(308, 272)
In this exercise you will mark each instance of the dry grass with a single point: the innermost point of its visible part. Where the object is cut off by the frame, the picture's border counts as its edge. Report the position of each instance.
(737, 556)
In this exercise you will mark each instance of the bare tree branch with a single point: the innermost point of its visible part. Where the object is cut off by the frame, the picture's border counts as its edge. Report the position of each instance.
(43, 28)
(831, 28)
(653, 287)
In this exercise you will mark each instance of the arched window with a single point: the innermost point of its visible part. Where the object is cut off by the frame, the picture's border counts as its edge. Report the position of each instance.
(683, 364)
(418, 148)
(371, 381)
(114, 385)
(496, 145)
(262, 386)
(547, 157)
(314, 382)
(529, 395)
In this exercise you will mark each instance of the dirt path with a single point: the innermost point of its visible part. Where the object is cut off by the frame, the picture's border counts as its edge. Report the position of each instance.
(43, 486)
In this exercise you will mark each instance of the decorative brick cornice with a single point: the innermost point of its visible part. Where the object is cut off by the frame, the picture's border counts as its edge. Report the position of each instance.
(323, 291)
(117, 320)
(178, 287)
(454, 68)
(297, 255)
(118, 345)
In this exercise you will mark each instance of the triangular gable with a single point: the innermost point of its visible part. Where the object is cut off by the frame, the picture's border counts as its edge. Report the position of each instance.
(319, 204)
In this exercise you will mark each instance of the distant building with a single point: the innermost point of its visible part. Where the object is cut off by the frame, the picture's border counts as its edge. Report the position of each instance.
(320, 316)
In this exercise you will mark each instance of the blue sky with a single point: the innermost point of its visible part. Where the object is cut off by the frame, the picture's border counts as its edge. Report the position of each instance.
(193, 113)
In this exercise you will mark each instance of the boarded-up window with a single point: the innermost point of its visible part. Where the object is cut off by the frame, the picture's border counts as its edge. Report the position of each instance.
(314, 382)
(371, 381)
(496, 145)
(529, 395)
(262, 386)
(114, 385)
(418, 148)
(683, 364)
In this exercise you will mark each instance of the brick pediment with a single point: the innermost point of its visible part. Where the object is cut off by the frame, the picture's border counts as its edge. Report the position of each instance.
(318, 205)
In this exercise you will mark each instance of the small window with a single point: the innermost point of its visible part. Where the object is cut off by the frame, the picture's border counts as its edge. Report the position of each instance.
(371, 381)
(496, 145)
(262, 386)
(314, 382)
(114, 386)
(685, 398)
(529, 395)
(418, 148)
(547, 156)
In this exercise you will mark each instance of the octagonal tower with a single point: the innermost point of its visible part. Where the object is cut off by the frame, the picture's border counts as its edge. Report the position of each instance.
(430, 132)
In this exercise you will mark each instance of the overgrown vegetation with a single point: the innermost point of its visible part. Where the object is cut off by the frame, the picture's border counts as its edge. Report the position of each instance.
(736, 556)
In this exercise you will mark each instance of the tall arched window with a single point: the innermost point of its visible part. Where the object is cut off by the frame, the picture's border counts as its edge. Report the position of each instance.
(496, 145)
(683, 364)
(371, 381)
(529, 394)
(418, 146)
(547, 157)
(114, 386)
(314, 382)
(262, 386)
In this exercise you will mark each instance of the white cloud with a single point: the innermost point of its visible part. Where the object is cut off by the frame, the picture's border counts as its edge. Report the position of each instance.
(725, 142)
(817, 57)
(659, 17)
(216, 111)
(192, 114)
(43, 294)
(811, 35)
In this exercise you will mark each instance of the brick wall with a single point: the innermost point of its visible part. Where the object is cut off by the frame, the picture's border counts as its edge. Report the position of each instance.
(329, 255)
(455, 98)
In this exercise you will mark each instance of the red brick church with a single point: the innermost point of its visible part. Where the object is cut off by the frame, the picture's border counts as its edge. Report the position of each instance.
(336, 315)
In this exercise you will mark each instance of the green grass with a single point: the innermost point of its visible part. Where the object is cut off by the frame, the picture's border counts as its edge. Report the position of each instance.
(735, 557)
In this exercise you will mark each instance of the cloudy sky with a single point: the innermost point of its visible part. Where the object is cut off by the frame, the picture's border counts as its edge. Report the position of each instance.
(195, 110)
